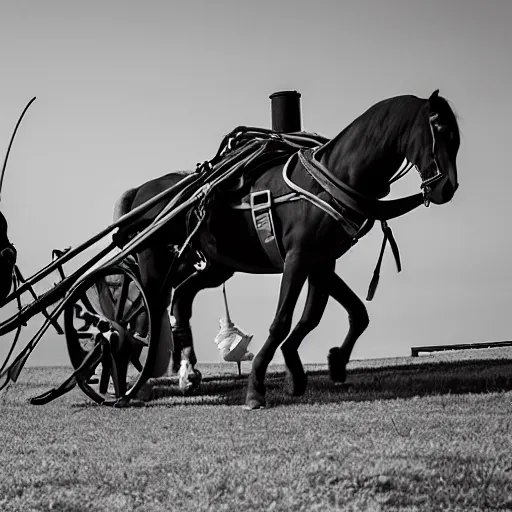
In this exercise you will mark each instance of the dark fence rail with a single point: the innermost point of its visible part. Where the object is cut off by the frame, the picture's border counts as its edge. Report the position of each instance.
(415, 351)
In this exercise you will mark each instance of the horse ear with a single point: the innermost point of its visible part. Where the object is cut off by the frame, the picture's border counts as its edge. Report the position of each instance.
(433, 97)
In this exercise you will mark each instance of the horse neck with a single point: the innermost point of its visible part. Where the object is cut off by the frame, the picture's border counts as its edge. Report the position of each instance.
(370, 150)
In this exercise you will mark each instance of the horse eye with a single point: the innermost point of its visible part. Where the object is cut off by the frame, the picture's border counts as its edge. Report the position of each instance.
(440, 127)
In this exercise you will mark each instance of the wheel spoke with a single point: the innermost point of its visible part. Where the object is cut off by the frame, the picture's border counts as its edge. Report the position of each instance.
(135, 358)
(133, 311)
(121, 302)
(105, 299)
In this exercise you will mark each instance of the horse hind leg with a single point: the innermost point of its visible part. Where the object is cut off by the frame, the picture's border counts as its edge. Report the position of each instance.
(154, 264)
(314, 308)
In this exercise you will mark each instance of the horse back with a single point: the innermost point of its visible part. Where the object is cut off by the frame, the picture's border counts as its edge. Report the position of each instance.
(124, 203)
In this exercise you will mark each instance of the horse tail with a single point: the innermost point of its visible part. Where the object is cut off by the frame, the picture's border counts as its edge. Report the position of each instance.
(124, 203)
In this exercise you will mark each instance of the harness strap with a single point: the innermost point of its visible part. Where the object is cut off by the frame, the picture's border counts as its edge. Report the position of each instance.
(312, 198)
(334, 187)
(341, 192)
(261, 210)
(388, 235)
(264, 225)
(246, 205)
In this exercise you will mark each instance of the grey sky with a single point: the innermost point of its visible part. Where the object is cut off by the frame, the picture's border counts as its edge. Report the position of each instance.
(127, 91)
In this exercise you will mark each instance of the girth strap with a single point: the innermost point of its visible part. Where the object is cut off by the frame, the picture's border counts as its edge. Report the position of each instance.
(261, 209)
(388, 235)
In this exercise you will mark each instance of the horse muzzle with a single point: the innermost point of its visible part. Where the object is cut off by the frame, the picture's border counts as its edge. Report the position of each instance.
(440, 192)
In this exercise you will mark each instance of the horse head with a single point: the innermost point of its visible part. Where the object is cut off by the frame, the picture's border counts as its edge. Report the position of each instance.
(433, 147)
(8, 257)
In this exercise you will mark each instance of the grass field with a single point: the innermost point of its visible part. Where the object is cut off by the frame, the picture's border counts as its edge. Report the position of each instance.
(427, 433)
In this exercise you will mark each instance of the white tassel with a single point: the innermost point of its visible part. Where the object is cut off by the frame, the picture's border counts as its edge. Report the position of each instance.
(232, 341)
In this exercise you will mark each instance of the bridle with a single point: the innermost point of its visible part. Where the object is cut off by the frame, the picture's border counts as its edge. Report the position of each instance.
(427, 182)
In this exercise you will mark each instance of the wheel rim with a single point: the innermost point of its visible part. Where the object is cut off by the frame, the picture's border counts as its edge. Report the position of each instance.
(110, 297)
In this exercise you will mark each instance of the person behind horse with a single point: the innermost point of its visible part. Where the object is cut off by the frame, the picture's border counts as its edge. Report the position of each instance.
(8, 257)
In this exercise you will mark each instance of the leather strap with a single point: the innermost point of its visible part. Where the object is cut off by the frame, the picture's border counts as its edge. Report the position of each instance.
(350, 228)
(246, 205)
(388, 235)
(334, 187)
(261, 210)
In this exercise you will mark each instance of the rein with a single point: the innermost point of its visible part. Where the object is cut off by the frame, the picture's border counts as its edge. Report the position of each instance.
(350, 198)
(346, 199)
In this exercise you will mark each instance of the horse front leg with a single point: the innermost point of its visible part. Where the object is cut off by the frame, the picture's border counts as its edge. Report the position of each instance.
(184, 358)
(294, 277)
(314, 308)
(338, 357)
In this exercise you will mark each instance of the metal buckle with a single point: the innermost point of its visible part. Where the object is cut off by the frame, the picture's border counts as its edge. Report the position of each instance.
(426, 199)
(256, 205)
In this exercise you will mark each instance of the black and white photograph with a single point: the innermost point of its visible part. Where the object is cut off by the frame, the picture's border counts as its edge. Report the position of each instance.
(255, 255)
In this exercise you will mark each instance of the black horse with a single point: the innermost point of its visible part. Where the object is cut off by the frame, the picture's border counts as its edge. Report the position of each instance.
(340, 186)
(8, 257)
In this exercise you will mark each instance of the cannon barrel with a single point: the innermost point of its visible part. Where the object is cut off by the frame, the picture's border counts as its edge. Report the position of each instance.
(285, 109)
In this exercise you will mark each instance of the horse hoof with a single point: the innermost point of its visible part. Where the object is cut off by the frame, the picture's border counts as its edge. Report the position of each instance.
(297, 384)
(254, 404)
(297, 380)
(255, 399)
(337, 365)
(189, 381)
(195, 378)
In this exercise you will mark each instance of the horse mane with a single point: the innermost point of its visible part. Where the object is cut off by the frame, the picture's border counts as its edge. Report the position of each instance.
(373, 129)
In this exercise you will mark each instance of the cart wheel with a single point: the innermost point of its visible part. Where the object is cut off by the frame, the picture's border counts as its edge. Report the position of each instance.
(109, 308)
